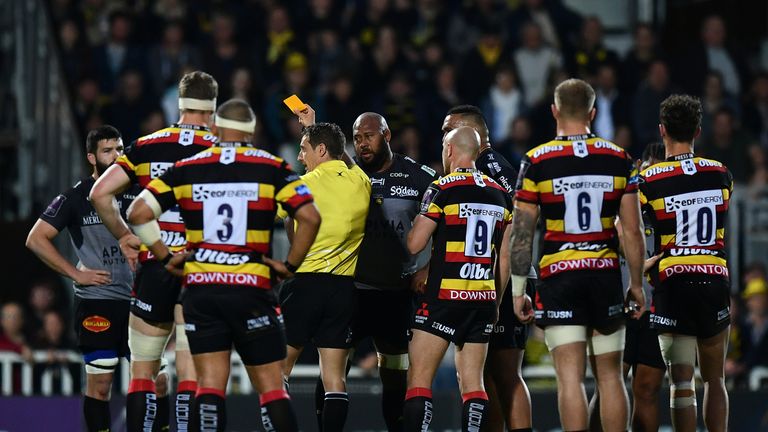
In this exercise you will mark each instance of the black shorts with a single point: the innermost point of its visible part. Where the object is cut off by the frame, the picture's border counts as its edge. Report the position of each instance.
(694, 305)
(318, 308)
(156, 292)
(101, 327)
(459, 325)
(217, 317)
(509, 332)
(590, 298)
(642, 344)
(385, 316)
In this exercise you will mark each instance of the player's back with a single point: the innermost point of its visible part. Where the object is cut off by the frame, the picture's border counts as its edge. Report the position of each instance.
(228, 198)
(687, 199)
(578, 182)
(471, 211)
(150, 156)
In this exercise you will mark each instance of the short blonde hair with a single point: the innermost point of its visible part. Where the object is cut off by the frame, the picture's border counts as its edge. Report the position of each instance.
(574, 98)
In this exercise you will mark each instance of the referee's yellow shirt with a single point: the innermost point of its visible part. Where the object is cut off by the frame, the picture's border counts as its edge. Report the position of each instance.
(342, 196)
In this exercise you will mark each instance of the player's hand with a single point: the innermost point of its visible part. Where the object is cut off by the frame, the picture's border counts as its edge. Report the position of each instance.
(523, 308)
(635, 301)
(419, 280)
(129, 246)
(306, 116)
(650, 262)
(278, 267)
(176, 265)
(87, 277)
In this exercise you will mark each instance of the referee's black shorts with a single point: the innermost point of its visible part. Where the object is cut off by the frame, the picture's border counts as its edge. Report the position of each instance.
(318, 308)
(384, 315)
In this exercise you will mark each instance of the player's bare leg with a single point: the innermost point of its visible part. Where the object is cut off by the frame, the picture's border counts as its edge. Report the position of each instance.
(570, 364)
(333, 367)
(276, 409)
(679, 354)
(646, 384)
(494, 419)
(470, 359)
(711, 363)
(505, 369)
(608, 349)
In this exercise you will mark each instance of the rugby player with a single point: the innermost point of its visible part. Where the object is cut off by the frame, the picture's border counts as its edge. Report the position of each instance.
(466, 214)
(580, 182)
(687, 200)
(228, 198)
(156, 291)
(318, 303)
(642, 355)
(509, 399)
(102, 278)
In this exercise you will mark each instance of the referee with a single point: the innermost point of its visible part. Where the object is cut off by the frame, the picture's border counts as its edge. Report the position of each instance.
(318, 304)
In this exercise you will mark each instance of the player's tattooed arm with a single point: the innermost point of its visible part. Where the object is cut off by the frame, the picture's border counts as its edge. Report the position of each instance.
(521, 243)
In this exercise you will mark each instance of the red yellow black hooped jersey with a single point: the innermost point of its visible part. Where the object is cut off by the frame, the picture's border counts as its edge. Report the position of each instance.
(578, 182)
(471, 211)
(150, 156)
(228, 198)
(686, 198)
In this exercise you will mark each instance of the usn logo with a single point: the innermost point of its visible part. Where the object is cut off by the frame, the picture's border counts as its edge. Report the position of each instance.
(96, 324)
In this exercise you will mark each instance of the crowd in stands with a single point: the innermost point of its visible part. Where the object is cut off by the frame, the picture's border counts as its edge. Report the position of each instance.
(410, 60)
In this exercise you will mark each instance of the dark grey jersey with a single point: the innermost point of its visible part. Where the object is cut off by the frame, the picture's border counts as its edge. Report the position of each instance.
(384, 262)
(95, 246)
(649, 252)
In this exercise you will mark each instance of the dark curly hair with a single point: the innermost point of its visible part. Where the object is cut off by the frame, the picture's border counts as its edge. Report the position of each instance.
(329, 134)
(681, 117)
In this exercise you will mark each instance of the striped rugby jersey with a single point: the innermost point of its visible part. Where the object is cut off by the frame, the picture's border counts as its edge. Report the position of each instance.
(471, 211)
(578, 182)
(686, 199)
(150, 156)
(228, 198)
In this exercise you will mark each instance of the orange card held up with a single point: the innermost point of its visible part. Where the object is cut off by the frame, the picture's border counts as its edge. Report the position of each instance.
(294, 103)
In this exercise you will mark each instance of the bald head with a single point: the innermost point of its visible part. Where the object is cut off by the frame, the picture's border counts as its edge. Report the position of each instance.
(371, 136)
(460, 148)
(370, 118)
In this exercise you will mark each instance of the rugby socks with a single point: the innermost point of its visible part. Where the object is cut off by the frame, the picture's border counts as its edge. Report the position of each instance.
(97, 416)
(394, 383)
(209, 410)
(335, 411)
(163, 422)
(277, 412)
(417, 411)
(141, 405)
(319, 402)
(185, 397)
(474, 411)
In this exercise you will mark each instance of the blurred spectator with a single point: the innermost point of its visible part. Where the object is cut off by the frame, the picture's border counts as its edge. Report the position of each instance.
(223, 55)
(756, 109)
(341, 105)
(328, 56)
(590, 52)
(89, 102)
(432, 57)
(503, 104)
(535, 62)
(754, 329)
(54, 333)
(379, 65)
(408, 143)
(75, 56)
(558, 24)
(623, 138)
(400, 106)
(713, 53)
(427, 21)
(478, 67)
(43, 298)
(112, 58)
(244, 88)
(463, 32)
(368, 17)
(612, 107)
(12, 337)
(729, 145)
(645, 106)
(440, 95)
(130, 107)
(543, 125)
(759, 168)
(714, 98)
(154, 121)
(517, 142)
(635, 65)
(167, 58)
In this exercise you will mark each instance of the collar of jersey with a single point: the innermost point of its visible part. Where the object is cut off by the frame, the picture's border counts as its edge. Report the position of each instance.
(234, 144)
(331, 165)
(467, 170)
(682, 156)
(190, 126)
(574, 137)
